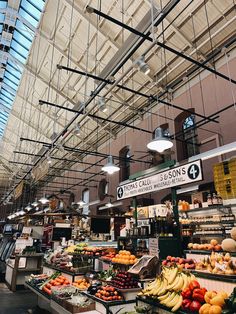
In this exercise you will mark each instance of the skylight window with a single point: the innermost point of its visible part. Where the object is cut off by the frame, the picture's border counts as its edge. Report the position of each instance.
(22, 38)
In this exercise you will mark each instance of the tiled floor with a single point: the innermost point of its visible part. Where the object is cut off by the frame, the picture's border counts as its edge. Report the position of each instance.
(18, 302)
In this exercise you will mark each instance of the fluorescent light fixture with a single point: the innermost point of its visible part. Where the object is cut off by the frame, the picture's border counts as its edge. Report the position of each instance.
(44, 200)
(160, 142)
(110, 167)
(188, 189)
(102, 104)
(224, 149)
(142, 65)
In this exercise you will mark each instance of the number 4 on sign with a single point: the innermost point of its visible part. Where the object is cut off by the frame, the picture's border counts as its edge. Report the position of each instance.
(193, 171)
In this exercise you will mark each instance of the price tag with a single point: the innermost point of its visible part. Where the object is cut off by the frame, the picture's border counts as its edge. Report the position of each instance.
(154, 247)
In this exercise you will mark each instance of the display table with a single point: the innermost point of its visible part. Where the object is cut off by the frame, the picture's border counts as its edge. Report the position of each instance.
(21, 266)
(46, 303)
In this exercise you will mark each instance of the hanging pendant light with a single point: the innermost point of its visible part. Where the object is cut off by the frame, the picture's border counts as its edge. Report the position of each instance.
(28, 207)
(160, 142)
(81, 203)
(110, 167)
(35, 203)
(109, 204)
(43, 200)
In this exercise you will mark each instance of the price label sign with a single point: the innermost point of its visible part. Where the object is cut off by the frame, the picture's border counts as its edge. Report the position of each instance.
(154, 247)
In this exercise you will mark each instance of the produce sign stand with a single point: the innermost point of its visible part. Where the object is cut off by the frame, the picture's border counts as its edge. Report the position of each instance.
(111, 307)
(71, 276)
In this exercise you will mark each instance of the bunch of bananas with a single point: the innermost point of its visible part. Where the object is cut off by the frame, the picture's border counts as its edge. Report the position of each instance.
(166, 287)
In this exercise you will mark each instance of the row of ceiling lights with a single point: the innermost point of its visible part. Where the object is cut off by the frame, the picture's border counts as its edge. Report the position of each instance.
(160, 143)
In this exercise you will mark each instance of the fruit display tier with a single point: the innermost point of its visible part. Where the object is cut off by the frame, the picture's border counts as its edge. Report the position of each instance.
(206, 252)
(161, 308)
(217, 277)
(217, 207)
(111, 306)
(72, 276)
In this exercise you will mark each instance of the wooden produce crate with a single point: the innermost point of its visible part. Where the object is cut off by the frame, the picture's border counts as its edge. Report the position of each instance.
(77, 309)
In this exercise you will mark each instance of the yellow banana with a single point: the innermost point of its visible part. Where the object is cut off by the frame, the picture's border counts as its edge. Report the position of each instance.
(173, 301)
(167, 300)
(178, 304)
(179, 284)
(164, 296)
(170, 287)
(185, 278)
(164, 288)
(172, 275)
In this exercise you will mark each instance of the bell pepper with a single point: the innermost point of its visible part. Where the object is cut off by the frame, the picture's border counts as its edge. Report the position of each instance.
(186, 293)
(194, 285)
(186, 304)
(198, 295)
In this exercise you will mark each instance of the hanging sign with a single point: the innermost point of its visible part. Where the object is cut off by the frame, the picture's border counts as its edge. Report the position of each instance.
(18, 190)
(184, 174)
(40, 171)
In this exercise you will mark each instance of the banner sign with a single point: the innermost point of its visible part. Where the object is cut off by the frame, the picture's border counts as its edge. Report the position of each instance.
(184, 174)
(18, 190)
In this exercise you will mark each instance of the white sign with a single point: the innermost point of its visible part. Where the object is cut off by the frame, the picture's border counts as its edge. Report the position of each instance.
(188, 173)
(154, 247)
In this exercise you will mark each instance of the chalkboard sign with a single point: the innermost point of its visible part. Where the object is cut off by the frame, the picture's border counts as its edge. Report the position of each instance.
(59, 233)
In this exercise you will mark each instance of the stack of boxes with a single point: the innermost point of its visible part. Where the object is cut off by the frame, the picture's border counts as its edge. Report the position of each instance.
(225, 178)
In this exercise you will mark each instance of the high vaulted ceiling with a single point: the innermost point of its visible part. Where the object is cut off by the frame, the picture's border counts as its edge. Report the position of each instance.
(70, 36)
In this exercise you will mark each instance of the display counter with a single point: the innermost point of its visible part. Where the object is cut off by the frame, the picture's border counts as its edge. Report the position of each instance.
(45, 302)
(20, 266)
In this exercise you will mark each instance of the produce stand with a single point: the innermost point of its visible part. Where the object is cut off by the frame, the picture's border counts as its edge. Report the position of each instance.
(50, 304)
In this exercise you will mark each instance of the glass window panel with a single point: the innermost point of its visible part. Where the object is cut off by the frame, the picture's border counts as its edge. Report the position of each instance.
(28, 17)
(31, 8)
(12, 78)
(19, 48)
(17, 56)
(10, 83)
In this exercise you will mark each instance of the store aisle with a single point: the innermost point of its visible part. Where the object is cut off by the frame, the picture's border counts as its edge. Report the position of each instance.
(20, 302)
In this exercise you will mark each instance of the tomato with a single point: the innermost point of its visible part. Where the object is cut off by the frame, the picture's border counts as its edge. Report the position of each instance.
(48, 285)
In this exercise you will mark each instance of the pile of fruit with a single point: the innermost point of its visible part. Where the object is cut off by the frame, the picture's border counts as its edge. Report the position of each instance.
(187, 263)
(108, 293)
(123, 280)
(81, 284)
(108, 256)
(124, 257)
(193, 297)
(212, 246)
(59, 259)
(166, 287)
(214, 303)
(217, 263)
(59, 280)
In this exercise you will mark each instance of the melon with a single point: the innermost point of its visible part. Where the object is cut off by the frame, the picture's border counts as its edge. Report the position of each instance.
(233, 233)
(229, 245)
